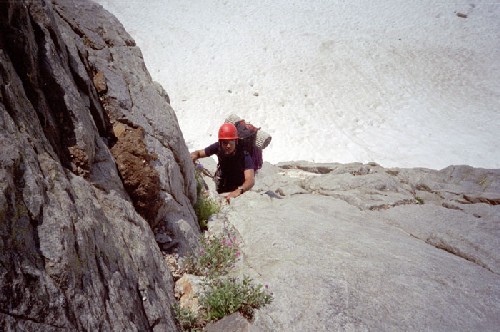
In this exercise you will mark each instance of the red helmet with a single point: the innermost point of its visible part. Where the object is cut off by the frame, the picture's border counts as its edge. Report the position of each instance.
(228, 131)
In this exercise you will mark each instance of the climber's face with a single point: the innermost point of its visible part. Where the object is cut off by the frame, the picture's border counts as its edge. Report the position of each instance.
(228, 146)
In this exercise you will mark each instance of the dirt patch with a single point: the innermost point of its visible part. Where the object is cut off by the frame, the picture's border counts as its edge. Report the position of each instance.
(100, 83)
(79, 162)
(140, 179)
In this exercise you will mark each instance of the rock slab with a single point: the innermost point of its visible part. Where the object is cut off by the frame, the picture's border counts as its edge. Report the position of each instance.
(359, 247)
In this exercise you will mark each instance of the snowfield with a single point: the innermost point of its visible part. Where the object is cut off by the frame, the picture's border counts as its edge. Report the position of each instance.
(398, 82)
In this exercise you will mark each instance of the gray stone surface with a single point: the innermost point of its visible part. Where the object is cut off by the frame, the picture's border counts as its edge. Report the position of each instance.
(132, 98)
(235, 323)
(77, 250)
(354, 250)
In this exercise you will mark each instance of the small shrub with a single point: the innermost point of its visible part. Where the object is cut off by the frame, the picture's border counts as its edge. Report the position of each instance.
(205, 205)
(229, 295)
(187, 320)
(215, 257)
(419, 200)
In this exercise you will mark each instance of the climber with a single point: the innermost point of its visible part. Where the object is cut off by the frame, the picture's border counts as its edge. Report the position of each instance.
(235, 173)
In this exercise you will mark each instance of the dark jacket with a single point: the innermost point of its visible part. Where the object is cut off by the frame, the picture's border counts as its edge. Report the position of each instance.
(230, 169)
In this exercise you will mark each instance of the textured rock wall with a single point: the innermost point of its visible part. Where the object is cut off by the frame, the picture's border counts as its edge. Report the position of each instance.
(91, 159)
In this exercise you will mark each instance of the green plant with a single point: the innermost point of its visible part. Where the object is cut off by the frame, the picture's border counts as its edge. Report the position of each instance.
(216, 255)
(187, 319)
(228, 295)
(419, 200)
(205, 205)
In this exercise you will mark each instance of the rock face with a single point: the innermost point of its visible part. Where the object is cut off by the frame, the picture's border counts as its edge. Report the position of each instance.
(91, 160)
(363, 248)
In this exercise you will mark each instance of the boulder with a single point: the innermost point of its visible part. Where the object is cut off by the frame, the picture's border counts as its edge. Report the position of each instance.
(188, 290)
(234, 323)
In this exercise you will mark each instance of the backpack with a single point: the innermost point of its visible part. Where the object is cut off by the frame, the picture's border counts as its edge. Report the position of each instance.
(251, 138)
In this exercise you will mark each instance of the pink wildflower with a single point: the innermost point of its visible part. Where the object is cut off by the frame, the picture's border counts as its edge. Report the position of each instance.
(227, 242)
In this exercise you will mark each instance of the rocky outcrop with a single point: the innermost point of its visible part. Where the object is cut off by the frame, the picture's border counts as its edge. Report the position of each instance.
(360, 247)
(91, 160)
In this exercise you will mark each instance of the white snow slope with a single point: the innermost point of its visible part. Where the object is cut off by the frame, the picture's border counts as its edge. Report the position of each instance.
(398, 82)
